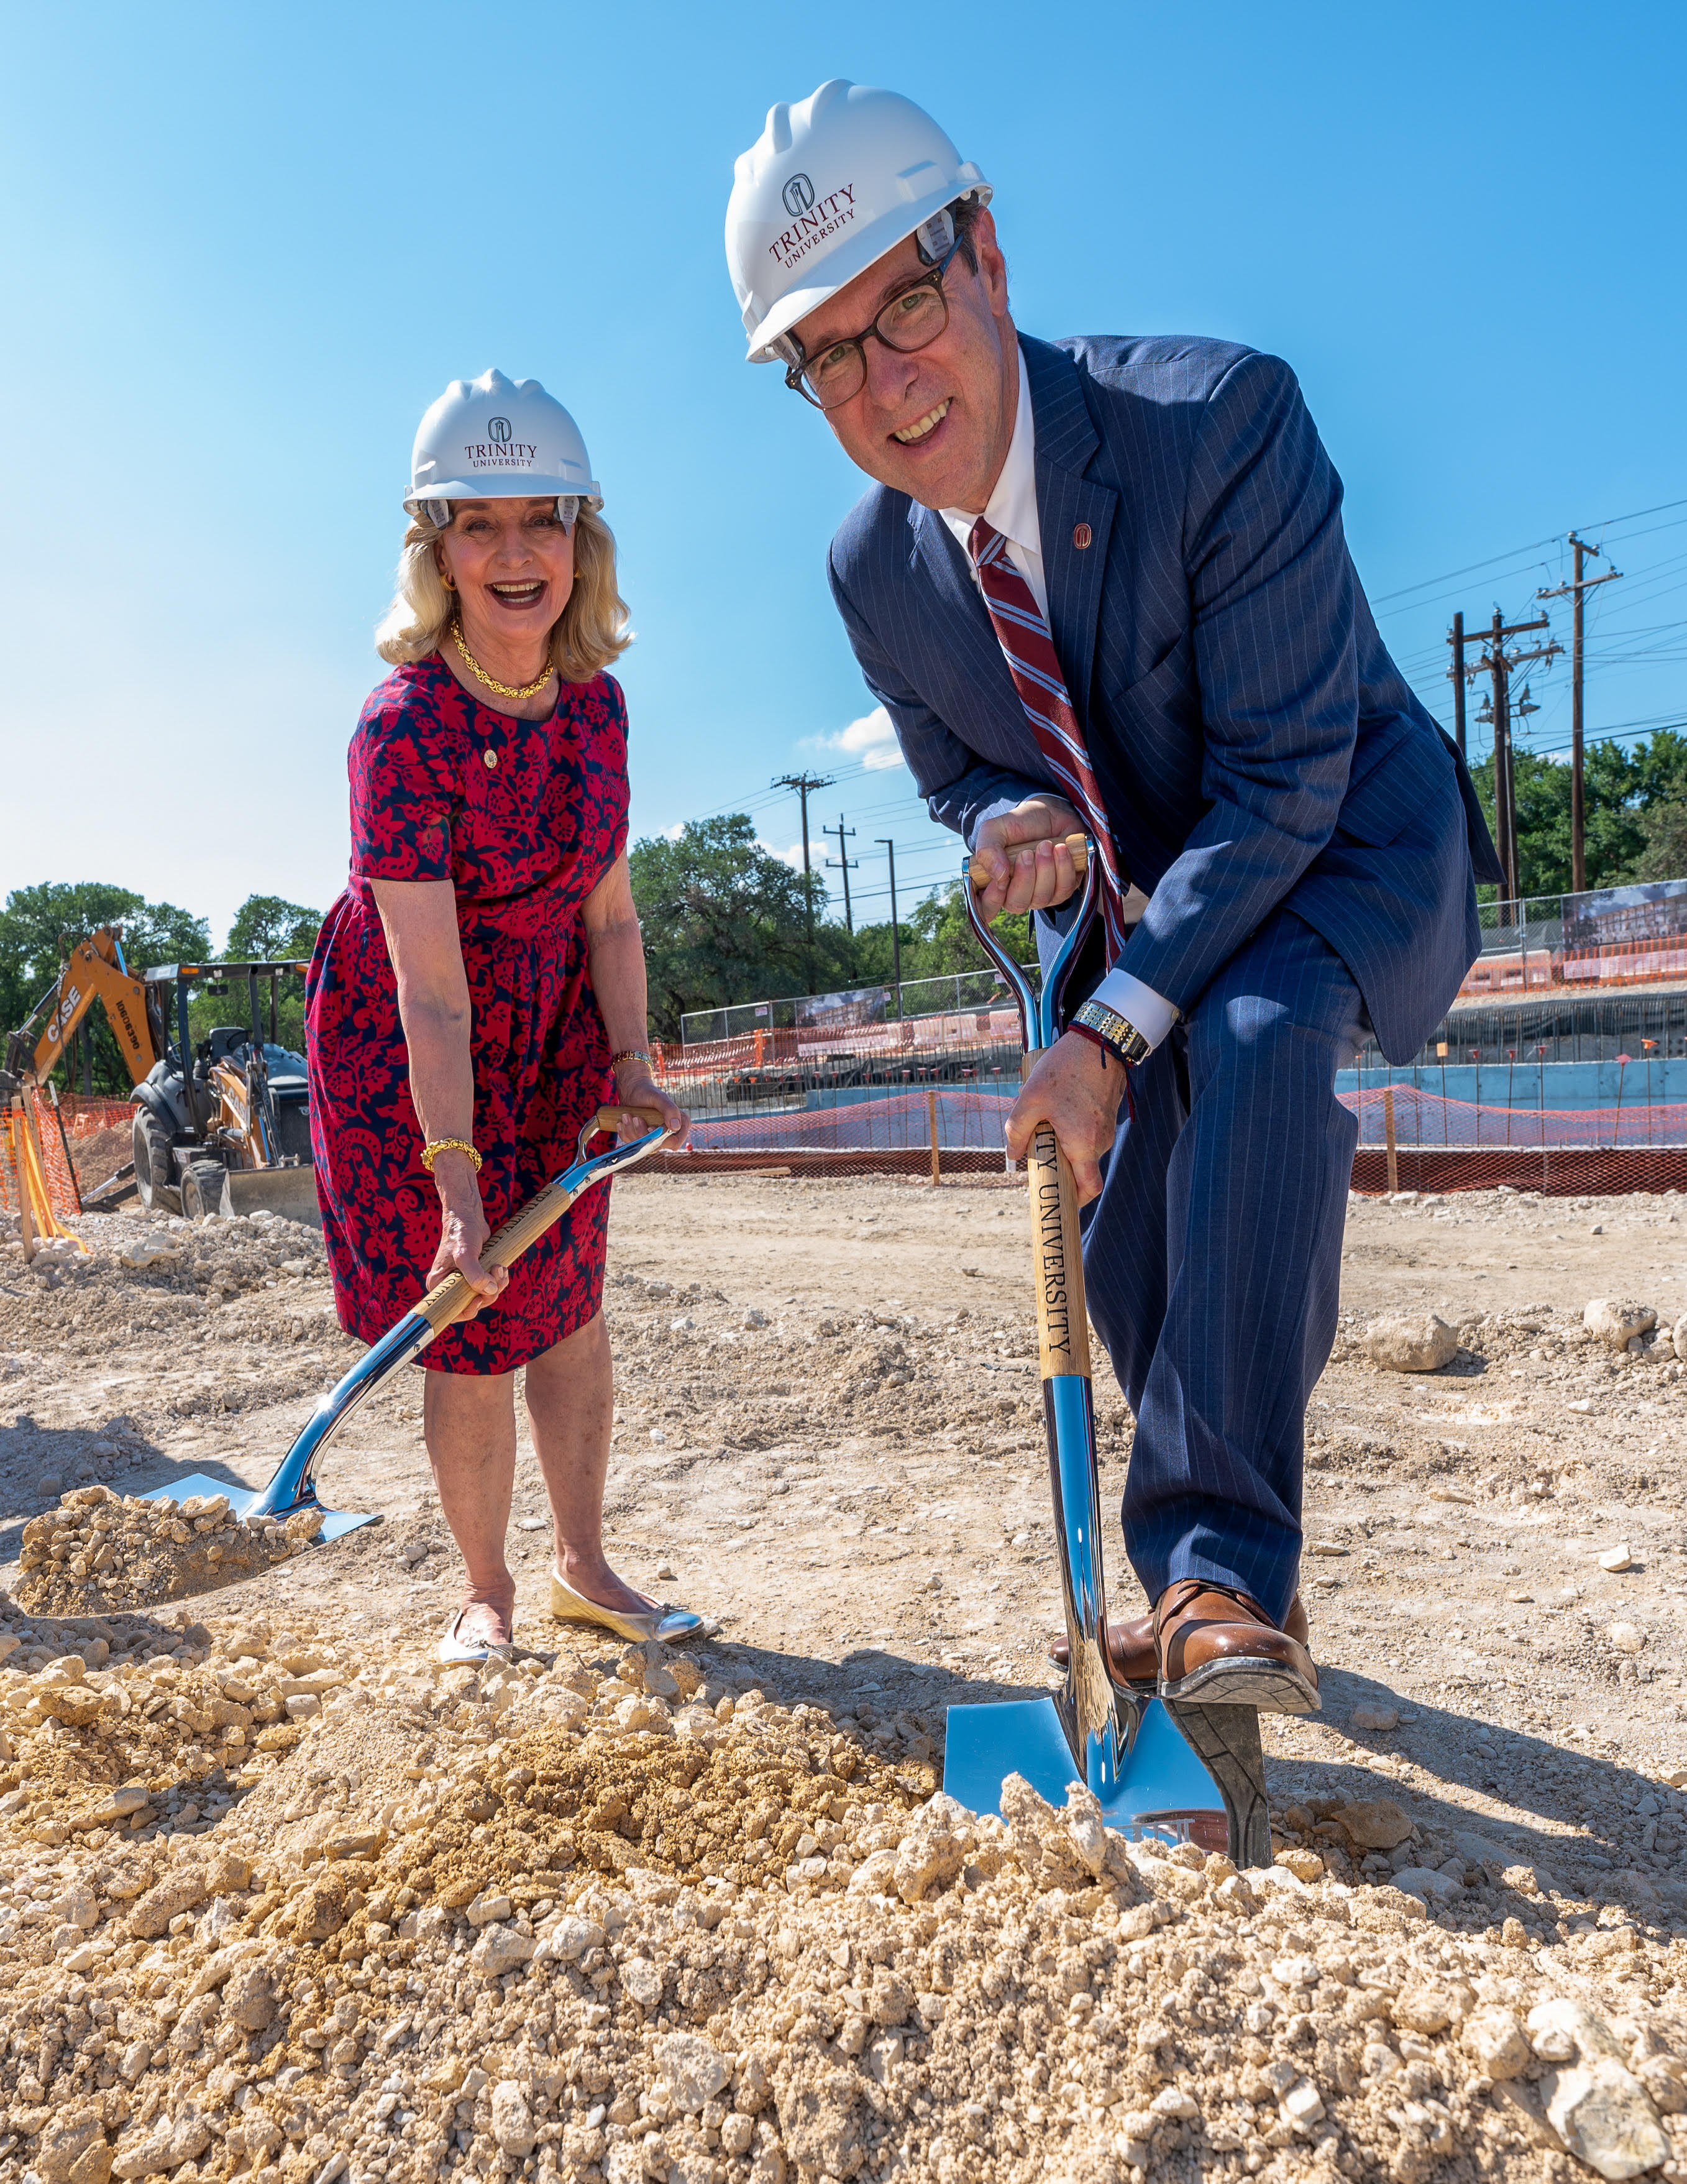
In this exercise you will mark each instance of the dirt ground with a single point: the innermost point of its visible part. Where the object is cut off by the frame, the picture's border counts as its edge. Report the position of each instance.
(828, 1439)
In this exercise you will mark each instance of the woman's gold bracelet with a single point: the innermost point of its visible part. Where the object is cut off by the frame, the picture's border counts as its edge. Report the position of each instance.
(434, 1146)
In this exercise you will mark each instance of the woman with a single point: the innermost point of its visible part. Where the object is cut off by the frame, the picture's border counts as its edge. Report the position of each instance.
(478, 990)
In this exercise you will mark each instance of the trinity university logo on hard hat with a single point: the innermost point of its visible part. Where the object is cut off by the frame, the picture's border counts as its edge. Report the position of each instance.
(500, 429)
(798, 194)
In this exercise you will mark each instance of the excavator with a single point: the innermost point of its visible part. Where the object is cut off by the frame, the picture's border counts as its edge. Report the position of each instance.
(226, 1131)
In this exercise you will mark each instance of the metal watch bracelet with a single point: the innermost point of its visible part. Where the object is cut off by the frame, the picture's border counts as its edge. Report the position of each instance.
(1117, 1033)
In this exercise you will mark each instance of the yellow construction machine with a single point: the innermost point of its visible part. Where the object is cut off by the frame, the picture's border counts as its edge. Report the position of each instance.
(223, 1127)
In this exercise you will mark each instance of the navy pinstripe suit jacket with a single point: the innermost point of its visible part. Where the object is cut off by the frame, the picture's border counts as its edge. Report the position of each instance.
(1253, 742)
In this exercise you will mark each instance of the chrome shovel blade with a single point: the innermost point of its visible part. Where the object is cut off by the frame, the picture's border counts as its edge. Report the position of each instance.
(1163, 1790)
(336, 1522)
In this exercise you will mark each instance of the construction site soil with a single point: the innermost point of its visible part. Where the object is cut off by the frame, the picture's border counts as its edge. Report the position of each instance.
(280, 1896)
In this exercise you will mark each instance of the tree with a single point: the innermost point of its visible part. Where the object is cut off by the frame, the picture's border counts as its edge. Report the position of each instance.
(268, 928)
(31, 928)
(723, 920)
(1622, 788)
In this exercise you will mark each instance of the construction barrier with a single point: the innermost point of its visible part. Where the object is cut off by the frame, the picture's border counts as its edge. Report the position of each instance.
(1430, 1143)
(36, 1178)
(84, 1115)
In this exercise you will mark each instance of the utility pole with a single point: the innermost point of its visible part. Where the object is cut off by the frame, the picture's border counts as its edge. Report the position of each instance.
(1457, 670)
(845, 835)
(884, 842)
(805, 784)
(1499, 664)
(1575, 590)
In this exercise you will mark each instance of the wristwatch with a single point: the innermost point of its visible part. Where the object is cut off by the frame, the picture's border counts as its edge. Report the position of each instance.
(1114, 1034)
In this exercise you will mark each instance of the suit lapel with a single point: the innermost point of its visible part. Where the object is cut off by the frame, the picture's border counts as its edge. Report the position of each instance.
(1067, 439)
(967, 632)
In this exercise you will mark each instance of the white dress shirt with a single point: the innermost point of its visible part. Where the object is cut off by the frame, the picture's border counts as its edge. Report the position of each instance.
(1011, 510)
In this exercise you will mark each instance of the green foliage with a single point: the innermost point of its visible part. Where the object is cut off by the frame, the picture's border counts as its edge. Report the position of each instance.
(267, 928)
(1626, 793)
(31, 927)
(723, 920)
(723, 923)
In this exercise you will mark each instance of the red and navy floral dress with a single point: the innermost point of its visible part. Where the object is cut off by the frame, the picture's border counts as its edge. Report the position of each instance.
(524, 818)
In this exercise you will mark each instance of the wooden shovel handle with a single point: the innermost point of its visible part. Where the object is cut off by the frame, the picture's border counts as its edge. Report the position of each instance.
(453, 1296)
(978, 872)
(608, 1118)
(1056, 1252)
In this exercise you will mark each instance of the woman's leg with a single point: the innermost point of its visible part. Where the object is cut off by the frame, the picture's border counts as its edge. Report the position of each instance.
(570, 1399)
(469, 1420)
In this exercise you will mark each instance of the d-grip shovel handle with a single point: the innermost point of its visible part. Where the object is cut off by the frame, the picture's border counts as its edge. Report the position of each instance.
(454, 1296)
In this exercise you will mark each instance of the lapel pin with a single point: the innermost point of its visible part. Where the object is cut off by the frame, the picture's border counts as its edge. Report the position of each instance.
(1081, 536)
(491, 757)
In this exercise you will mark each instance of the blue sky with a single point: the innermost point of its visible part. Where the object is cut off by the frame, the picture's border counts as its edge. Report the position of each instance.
(246, 248)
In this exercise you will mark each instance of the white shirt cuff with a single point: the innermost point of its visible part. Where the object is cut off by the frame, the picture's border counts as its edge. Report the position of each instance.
(1151, 1013)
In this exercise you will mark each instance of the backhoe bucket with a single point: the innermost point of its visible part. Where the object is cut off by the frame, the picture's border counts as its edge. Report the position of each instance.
(289, 1191)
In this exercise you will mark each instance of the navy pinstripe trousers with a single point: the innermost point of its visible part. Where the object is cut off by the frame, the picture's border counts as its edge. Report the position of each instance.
(1212, 1260)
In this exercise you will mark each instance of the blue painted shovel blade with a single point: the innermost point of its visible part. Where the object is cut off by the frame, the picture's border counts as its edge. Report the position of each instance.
(336, 1522)
(1163, 1789)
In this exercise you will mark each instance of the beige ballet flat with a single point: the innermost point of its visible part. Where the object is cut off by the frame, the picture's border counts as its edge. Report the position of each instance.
(668, 1625)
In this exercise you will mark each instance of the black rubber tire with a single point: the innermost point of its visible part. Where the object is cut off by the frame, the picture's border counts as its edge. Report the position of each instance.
(202, 1189)
(151, 1159)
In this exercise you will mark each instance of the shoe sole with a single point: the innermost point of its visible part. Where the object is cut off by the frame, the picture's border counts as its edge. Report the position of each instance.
(1265, 1685)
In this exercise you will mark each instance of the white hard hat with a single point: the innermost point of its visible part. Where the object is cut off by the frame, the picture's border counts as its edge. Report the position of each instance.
(491, 438)
(830, 185)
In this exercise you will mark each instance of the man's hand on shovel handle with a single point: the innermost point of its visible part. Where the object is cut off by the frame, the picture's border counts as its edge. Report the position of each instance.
(1076, 1087)
(1028, 864)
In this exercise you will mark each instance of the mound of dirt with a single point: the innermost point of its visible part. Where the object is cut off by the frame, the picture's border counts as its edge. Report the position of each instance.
(607, 1919)
(100, 1550)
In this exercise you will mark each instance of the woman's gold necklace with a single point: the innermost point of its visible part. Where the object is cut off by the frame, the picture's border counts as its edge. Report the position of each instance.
(503, 689)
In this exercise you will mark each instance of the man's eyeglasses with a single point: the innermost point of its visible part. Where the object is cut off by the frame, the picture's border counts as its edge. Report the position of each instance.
(910, 320)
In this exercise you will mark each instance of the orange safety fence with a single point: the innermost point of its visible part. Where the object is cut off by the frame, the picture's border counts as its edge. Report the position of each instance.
(1539, 970)
(85, 1114)
(1440, 1145)
(34, 1165)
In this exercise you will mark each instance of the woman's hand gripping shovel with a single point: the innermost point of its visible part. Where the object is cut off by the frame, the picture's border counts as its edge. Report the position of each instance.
(293, 1488)
(1207, 1784)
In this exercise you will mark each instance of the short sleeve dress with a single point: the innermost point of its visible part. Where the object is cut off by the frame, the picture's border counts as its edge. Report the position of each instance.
(524, 818)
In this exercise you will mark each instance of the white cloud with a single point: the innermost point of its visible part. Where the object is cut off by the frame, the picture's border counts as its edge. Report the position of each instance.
(792, 856)
(673, 833)
(871, 739)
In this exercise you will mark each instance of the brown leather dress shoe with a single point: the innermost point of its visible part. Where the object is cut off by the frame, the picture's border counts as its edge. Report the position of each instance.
(1135, 1656)
(1218, 1647)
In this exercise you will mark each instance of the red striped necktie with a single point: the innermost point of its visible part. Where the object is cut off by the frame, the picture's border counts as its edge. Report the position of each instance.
(1036, 676)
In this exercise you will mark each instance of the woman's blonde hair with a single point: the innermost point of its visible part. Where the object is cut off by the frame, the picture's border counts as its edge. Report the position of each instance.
(589, 633)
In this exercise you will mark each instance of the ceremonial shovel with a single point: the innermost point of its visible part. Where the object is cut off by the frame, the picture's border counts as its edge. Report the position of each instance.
(293, 1487)
(1181, 1772)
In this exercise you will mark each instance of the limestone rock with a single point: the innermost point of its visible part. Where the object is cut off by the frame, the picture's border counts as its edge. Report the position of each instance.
(1373, 1824)
(1600, 2111)
(819, 2116)
(500, 1949)
(1426, 1881)
(1627, 1637)
(1383, 1718)
(512, 2120)
(1495, 2042)
(178, 1891)
(641, 1982)
(694, 2070)
(163, 2145)
(934, 1848)
(72, 2149)
(249, 1999)
(1616, 1321)
(1399, 1345)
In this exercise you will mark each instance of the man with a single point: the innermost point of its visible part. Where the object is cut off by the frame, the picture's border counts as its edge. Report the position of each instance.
(1101, 586)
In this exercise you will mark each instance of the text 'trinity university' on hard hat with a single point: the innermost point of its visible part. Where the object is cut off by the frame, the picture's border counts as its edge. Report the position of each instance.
(830, 185)
(492, 438)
